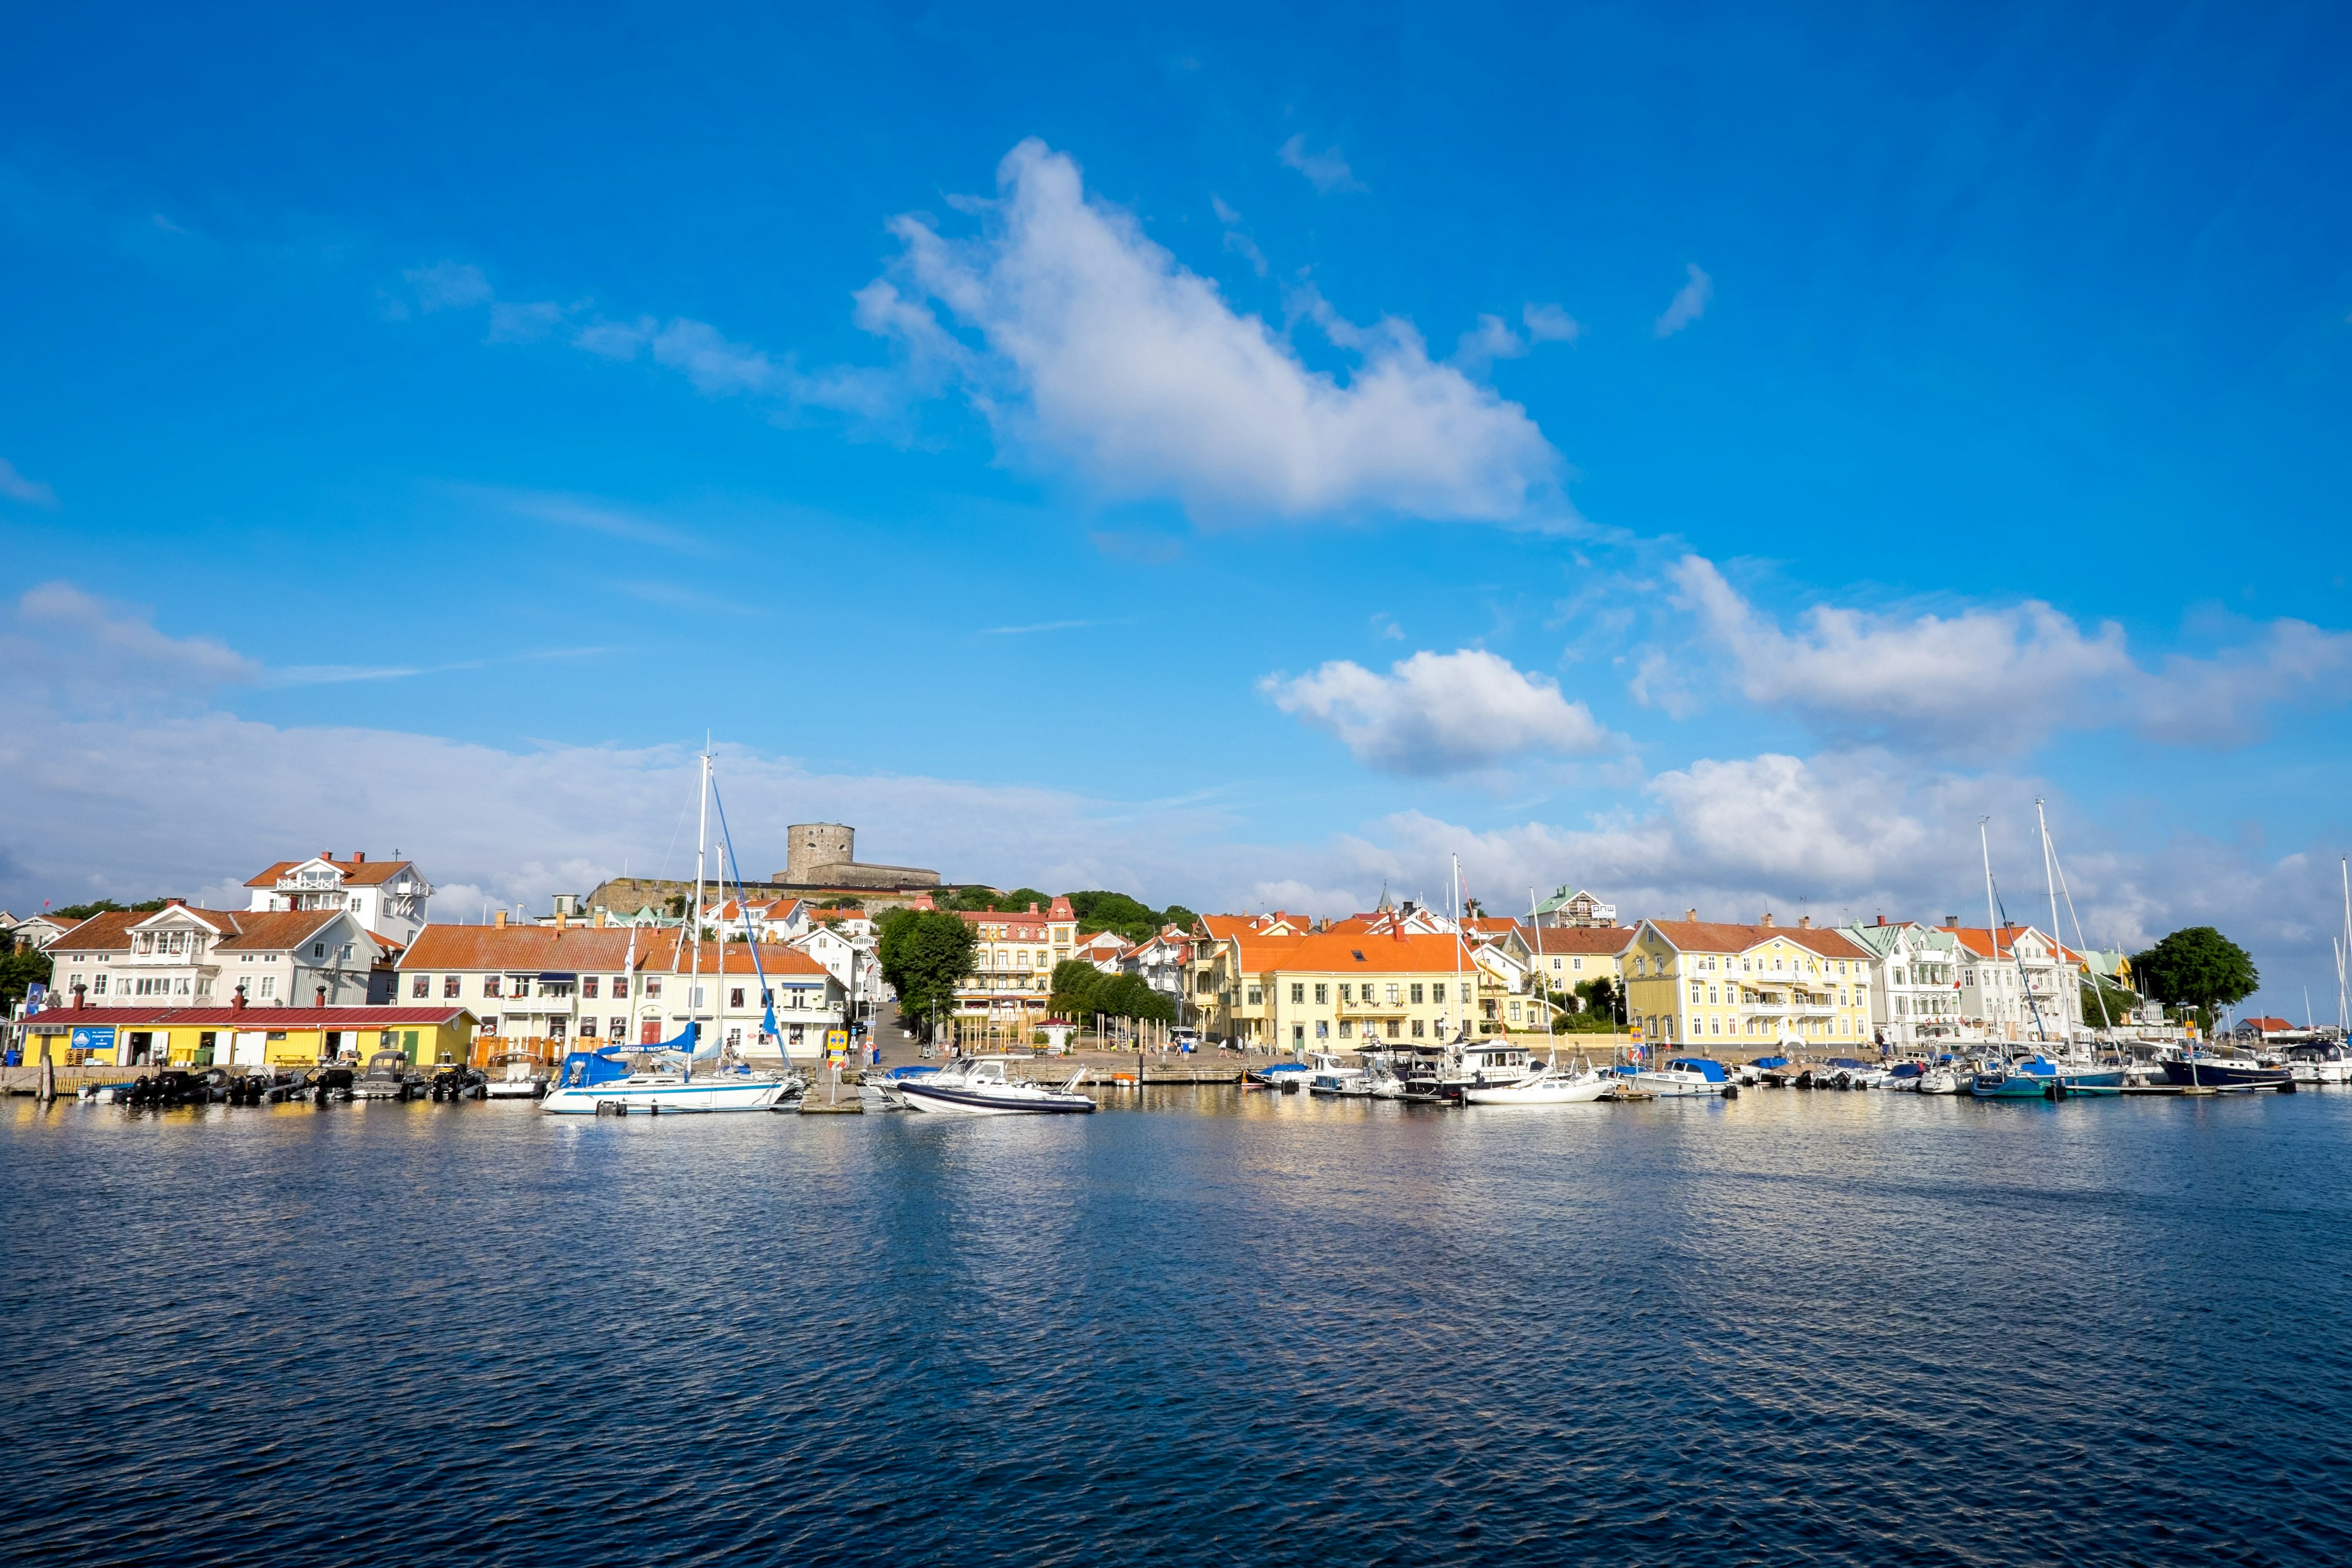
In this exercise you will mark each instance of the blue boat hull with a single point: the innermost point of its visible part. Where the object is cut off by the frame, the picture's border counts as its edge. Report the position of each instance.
(2206, 1073)
(2009, 1086)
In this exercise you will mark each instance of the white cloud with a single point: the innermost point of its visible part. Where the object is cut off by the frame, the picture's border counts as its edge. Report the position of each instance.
(1439, 713)
(448, 286)
(1237, 236)
(73, 647)
(1550, 324)
(2004, 678)
(1105, 354)
(16, 487)
(1493, 339)
(1327, 170)
(1689, 303)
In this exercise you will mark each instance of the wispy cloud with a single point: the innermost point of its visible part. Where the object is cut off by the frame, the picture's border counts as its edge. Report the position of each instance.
(1050, 626)
(16, 487)
(593, 516)
(1493, 339)
(1689, 303)
(1237, 236)
(1327, 170)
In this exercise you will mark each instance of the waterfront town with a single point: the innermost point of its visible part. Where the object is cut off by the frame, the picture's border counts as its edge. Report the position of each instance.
(338, 957)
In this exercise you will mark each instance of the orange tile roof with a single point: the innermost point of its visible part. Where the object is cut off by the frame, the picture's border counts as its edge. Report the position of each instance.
(356, 873)
(580, 949)
(1978, 940)
(1578, 938)
(1337, 954)
(242, 931)
(1726, 936)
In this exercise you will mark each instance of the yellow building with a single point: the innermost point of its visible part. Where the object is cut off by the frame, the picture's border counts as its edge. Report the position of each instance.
(1012, 960)
(1701, 985)
(1336, 990)
(247, 1037)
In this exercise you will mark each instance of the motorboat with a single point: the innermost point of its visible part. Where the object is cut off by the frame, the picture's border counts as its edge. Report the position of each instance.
(2194, 1069)
(1939, 1077)
(1904, 1078)
(1329, 1075)
(386, 1077)
(1681, 1078)
(1753, 1072)
(2318, 1061)
(879, 1092)
(981, 1085)
(515, 1075)
(1282, 1075)
(1548, 1085)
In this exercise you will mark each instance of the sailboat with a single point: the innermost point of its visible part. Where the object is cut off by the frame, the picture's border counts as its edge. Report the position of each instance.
(608, 1081)
(2080, 1070)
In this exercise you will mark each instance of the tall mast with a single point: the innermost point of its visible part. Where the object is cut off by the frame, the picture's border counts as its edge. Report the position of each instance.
(701, 844)
(1992, 916)
(1457, 949)
(2050, 882)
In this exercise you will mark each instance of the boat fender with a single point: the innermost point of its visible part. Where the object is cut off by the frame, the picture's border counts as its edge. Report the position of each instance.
(1732, 1091)
(2287, 1088)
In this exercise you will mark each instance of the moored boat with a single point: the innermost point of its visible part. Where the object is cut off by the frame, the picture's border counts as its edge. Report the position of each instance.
(2194, 1069)
(980, 1086)
(1549, 1085)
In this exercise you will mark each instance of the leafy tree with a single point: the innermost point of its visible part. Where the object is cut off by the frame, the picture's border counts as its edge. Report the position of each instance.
(1179, 916)
(1599, 998)
(1018, 901)
(103, 906)
(1080, 991)
(924, 952)
(976, 900)
(2118, 1001)
(2198, 967)
(1131, 918)
(19, 969)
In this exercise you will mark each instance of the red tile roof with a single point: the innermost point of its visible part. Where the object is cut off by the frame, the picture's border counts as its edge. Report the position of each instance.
(579, 950)
(239, 931)
(1578, 938)
(1978, 940)
(59, 1019)
(356, 873)
(1724, 936)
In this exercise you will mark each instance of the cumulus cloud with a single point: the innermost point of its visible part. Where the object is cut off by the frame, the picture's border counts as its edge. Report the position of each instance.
(1327, 170)
(1688, 305)
(2004, 677)
(74, 647)
(1439, 713)
(1099, 351)
(16, 487)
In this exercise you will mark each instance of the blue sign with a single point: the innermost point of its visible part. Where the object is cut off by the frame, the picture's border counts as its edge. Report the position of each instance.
(91, 1037)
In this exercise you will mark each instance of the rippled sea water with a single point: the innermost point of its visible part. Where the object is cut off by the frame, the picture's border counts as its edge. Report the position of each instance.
(1231, 1327)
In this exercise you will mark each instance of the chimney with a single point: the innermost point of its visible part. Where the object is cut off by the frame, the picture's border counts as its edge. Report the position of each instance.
(318, 996)
(326, 854)
(600, 918)
(236, 1000)
(358, 857)
(1882, 920)
(175, 903)
(500, 919)
(78, 998)
(1690, 914)
(560, 917)
(1952, 920)
(1767, 920)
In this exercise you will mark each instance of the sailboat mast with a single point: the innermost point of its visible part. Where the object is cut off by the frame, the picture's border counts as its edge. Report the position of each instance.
(2050, 882)
(1464, 1033)
(702, 847)
(1992, 918)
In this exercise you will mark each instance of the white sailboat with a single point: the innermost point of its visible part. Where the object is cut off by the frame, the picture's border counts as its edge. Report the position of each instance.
(606, 1081)
(1551, 1084)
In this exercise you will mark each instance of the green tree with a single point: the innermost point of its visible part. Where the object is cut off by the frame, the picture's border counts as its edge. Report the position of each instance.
(1177, 915)
(2117, 1003)
(1018, 901)
(21, 968)
(1131, 917)
(2198, 967)
(976, 900)
(1081, 990)
(924, 952)
(103, 906)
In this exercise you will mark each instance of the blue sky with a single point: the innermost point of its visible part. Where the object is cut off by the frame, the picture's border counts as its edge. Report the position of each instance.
(1709, 453)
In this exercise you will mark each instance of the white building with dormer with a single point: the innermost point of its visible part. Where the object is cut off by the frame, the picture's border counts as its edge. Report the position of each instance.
(386, 897)
(180, 956)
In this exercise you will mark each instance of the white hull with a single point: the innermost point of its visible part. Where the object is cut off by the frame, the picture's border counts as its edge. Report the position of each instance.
(1581, 1090)
(1044, 1102)
(1669, 1084)
(665, 1094)
(510, 1090)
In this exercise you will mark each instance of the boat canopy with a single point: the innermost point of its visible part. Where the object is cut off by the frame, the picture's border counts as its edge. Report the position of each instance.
(1906, 1070)
(1847, 1062)
(682, 1043)
(1769, 1062)
(583, 1069)
(1710, 1070)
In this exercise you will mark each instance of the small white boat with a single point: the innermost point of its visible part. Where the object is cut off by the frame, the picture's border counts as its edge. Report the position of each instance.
(1549, 1085)
(1684, 1077)
(2316, 1062)
(1327, 1075)
(515, 1075)
(603, 1081)
(1939, 1079)
(980, 1086)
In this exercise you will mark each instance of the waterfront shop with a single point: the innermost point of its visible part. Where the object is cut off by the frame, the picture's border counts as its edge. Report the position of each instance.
(245, 1037)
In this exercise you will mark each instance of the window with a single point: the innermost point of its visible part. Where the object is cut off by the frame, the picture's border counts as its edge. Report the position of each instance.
(421, 986)
(1419, 1028)
(1322, 992)
(318, 949)
(1555, 964)
(1393, 1028)
(1416, 994)
(268, 986)
(621, 988)
(616, 1028)
(653, 987)
(1392, 993)
(491, 985)
(1515, 1012)
(1712, 994)
(588, 987)
(588, 1028)
(1578, 963)
(1297, 992)
(97, 986)
(1346, 1029)
(347, 953)
(1256, 996)
(1347, 993)
(735, 996)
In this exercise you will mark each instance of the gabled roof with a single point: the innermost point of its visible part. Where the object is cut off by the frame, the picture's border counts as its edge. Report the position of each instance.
(240, 930)
(1610, 940)
(58, 1020)
(576, 949)
(1726, 936)
(357, 873)
(1345, 954)
(1977, 941)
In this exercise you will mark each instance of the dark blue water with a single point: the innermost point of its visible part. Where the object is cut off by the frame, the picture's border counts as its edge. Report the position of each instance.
(1798, 1326)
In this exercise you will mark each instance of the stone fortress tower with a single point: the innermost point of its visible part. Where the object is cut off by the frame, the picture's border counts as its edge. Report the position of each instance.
(824, 855)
